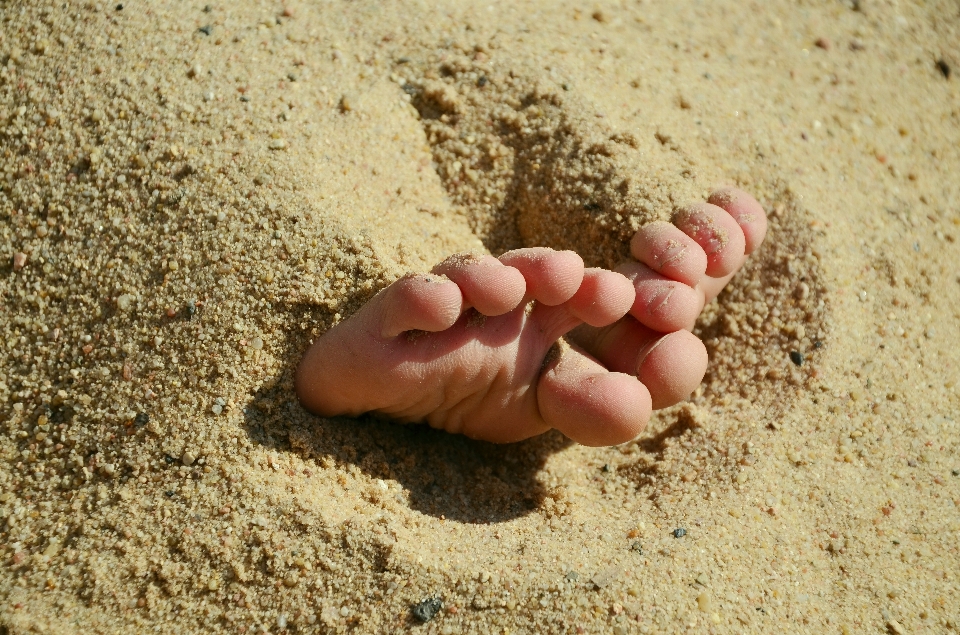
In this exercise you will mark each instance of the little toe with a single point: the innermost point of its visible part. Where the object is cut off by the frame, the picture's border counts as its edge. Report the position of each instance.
(717, 233)
(424, 302)
(552, 277)
(487, 285)
(662, 304)
(746, 211)
(590, 404)
(603, 298)
(670, 252)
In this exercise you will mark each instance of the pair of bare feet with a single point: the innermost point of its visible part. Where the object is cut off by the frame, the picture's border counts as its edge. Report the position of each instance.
(477, 346)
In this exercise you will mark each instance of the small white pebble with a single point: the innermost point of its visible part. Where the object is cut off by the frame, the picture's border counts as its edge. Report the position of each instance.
(188, 458)
(282, 621)
(256, 343)
(125, 302)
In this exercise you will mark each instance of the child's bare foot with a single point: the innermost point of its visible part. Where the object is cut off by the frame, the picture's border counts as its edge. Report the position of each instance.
(461, 349)
(679, 267)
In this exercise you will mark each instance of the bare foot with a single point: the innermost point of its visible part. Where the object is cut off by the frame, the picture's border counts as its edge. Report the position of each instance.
(465, 350)
(679, 267)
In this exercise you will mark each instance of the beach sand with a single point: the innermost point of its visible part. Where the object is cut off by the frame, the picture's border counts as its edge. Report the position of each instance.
(190, 194)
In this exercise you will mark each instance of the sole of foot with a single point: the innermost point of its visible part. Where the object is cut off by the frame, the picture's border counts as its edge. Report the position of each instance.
(678, 267)
(474, 347)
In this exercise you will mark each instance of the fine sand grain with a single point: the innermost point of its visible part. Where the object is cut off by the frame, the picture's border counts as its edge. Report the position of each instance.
(191, 193)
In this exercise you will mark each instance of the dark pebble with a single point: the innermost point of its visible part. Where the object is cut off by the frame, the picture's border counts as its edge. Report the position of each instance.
(119, 7)
(403, 60)
(482, 81)
(169, 459)
(191, 308)
(817, 344)
(169, 493)
(955, 472)
(244, 98)
(679, 532)
(607, 468)
(427, 609)
(141, 419)
(207, 8)
(943, 67)
(796, 357)
(572, 576)
(637, 547)
(206, 30)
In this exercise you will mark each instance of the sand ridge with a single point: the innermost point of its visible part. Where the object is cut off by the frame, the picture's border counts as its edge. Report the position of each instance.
(191, 193)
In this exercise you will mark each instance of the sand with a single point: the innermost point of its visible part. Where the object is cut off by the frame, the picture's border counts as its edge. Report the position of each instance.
(190, 194)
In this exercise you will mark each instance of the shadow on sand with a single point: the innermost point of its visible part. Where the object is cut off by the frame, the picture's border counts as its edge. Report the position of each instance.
(444, 475)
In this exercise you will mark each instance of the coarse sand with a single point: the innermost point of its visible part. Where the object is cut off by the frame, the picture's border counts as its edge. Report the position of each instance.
(190, 194)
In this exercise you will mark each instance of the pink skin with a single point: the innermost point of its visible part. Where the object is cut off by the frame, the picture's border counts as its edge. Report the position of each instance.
(472, 348)
(678, 269)
(420, 351)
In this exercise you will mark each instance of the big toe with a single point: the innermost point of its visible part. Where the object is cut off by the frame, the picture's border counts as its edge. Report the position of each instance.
(673, 368)
(670, 365)
(590, 404)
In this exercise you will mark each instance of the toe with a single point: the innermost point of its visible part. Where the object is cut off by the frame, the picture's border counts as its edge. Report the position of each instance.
(487, 285)
(673, 368)
(590, 404)
(669, 252)
(417, 302)
(746, 211)
(552, 277)
(717, 234)
(671, 365)
(603, 298)
(662, 304)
